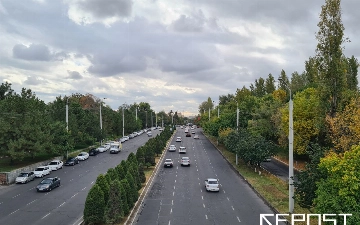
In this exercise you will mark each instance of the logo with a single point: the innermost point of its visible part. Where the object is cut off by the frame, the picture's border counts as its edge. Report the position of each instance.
(303, 218)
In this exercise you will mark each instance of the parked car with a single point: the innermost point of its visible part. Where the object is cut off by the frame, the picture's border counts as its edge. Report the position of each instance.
(94, 151)
(212, 184)
(182, 150)
(185, 161)
(161, 129)
(115, 148)
(149, 134)
(196, 136)
(42, 171)
(178, 139)
(168, 163)
(83, 156)
(71, 161)
(25, 177)
(48, 184)
(103, 148)
(172, 148)
(56, 164)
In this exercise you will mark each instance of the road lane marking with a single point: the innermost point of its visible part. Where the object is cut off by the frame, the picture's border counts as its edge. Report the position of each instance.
(238, 219)
(45, 216)
(83, 188)
(29, 202)
(200, 190)
(199, 183)
(16, 196)
(170, 210)
(47, 193)
(14, 212)
(1, 203)
(173, 193)
(92, 182)
(224, 191)
(61, 204)
(74, 195)
(175, 181)
(31, 188)
(206, 216)
(174, 187)
(228, 198)
(202, 197)
(204, 205)
(172, 202)
(232, 208)
(169, 222)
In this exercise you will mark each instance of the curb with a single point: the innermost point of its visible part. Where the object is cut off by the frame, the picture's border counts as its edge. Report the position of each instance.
(242, 177)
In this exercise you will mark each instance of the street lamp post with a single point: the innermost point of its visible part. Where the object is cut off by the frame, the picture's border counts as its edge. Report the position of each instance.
(237, 125)
(291, 154)
(101, 123)
(136, 108)
(67, 123)
(123, 121)
(146, 119)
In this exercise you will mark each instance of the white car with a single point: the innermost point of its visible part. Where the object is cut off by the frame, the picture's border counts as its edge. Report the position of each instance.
(161, 129)
(168, 163)
(126, 138)
(172, 148)
(103, 148)
(212, 184)
(182, 150)
(42, 171)
(25, 177)
(178, 139)
(83, 156)
(56, 164)
(185, 161)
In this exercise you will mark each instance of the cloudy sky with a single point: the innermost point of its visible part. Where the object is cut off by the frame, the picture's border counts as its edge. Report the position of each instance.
(173, 54)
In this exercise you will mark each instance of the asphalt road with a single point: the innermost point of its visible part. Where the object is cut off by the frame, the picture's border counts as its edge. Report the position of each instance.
(21, 204)
(178, 195)
(279, 169)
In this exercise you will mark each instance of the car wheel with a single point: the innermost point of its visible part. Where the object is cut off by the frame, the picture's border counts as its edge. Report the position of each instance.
(49, 188)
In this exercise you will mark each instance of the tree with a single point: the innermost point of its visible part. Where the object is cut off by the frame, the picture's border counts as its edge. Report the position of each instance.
(352, 72)
(94, 206)
(308, 120)
(102, 182)
(270, 84)
(329, 55)
(260, 89)
(114, 210)
(129, 193)
(339, 192)
(344, 128)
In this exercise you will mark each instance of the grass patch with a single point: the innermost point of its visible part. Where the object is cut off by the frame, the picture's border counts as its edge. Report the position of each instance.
(271, 188)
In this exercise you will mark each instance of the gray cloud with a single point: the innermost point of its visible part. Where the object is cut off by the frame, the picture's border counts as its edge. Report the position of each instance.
(34, 80)
(34, 52)
(74, 75)
(108, 8)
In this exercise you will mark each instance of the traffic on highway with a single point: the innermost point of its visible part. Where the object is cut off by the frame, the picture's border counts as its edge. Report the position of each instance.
(207, 192)
(58, 195)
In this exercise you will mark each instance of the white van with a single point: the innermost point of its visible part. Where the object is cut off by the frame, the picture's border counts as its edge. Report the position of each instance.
(115, 147)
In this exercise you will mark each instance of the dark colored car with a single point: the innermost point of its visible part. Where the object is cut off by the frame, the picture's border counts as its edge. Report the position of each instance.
(48, 184)
(71, 162)
(188, 135)
(94, 151)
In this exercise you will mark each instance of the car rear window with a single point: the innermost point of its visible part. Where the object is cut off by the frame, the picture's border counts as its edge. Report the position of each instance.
(213, 182)
(39, 169)
(53, 163)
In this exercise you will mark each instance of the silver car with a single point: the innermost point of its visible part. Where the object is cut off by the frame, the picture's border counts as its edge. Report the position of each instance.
(25, 177)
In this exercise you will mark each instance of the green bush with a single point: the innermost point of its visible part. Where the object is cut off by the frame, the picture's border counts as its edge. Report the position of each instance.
(94, 206)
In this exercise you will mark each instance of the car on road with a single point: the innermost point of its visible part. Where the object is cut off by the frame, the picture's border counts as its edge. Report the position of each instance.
(168, 163)
(25, 177)
(161, 129)
(178, 139)
(185, 161)
(82, 156)
(56, 164)
(48, 184)
(94, 151)
(182, 150)
(103, 148)
(188, 135)
(42, 171)
(196, 136)
(71, 161)
(193, 131)
(172, 148)
(212, 184)
(149, 134)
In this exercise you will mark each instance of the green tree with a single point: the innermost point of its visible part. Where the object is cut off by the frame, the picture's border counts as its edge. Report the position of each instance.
(129, 193)
(329, 55)
(113, 210)
(352, 73)
(341, 184)
(94, 206)
(270, 84)
(102, 182)
(260, 89)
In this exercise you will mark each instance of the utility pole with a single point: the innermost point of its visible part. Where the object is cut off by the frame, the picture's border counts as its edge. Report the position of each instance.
(123, 120)
(67, 124)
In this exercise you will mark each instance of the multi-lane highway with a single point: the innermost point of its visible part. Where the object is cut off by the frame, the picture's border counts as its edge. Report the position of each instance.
(21, 204)
(178, 194)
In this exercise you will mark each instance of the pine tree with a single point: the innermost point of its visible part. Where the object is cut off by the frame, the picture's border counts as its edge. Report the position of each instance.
(104, 185)
(113, 210)
(94, 206)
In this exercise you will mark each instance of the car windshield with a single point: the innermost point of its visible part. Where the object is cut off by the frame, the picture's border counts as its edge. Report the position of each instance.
(53, 163)
(168, 160)
(80, 154)
(46, 181)
(213, 182)
(39, 169)
(185, 158)
(23, 175)
(70, 160)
